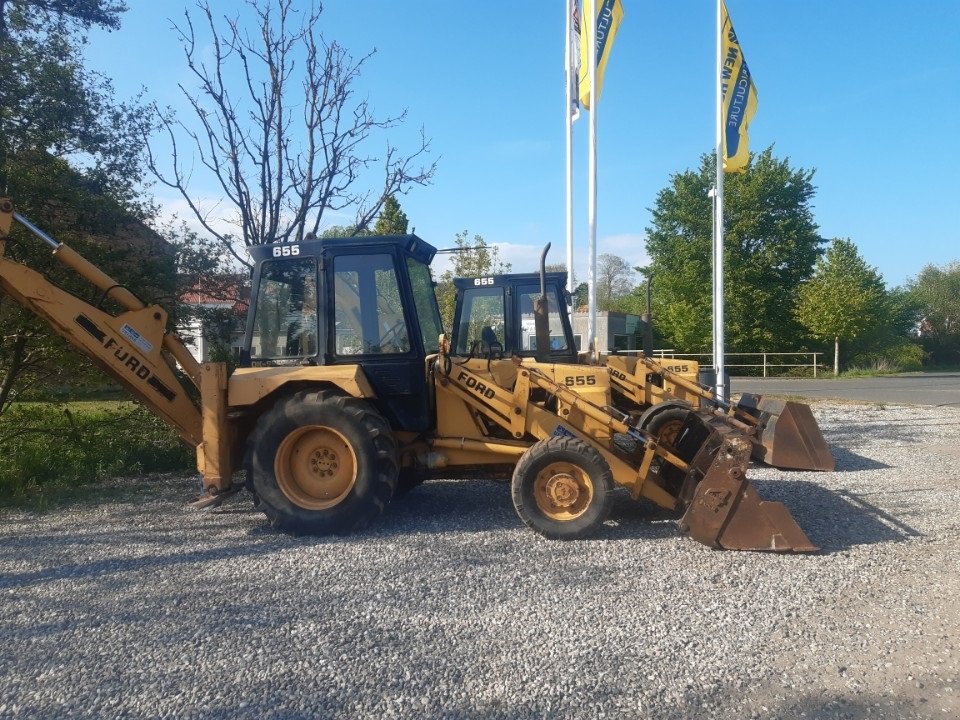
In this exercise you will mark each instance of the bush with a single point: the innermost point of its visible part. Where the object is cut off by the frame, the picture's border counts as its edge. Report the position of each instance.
(47, 447)
(905, 356)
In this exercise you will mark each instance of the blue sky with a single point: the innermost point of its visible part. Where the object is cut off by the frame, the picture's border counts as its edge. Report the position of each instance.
(865, 91)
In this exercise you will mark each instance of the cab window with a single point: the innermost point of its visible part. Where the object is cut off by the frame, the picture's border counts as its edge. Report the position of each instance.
(528, 331)
(425, 303)
(285, 312)
(481, 319)
(368, 309)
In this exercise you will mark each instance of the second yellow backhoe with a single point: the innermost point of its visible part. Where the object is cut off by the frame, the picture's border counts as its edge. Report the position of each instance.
(495, 314)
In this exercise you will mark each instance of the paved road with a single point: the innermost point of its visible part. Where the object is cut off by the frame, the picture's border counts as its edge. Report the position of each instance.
(938, 389)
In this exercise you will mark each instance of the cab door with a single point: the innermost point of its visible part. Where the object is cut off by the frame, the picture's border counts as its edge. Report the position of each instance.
(374, 326)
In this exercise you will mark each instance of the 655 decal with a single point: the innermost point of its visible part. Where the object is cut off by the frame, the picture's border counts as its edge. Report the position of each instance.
(286, 250)
(574, 380)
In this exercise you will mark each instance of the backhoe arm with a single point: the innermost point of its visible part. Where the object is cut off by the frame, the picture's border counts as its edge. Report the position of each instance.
(133, 347)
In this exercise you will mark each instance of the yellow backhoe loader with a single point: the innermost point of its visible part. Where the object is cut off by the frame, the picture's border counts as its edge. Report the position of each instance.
(346, 378)
(496, 314)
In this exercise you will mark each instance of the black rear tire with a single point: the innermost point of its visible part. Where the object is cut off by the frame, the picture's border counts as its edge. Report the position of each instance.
(321, 462)
(562, 488)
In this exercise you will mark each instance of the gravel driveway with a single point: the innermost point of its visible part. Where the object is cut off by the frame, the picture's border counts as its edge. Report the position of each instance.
(450, 608)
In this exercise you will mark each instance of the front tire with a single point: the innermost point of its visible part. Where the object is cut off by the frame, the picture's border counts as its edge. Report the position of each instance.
(321, 462)
(562, 488)
(665, 426)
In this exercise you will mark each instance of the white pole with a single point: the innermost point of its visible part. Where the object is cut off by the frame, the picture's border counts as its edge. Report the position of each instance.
(719, 365)
(568, 118)
(713, 277)
(592, 193)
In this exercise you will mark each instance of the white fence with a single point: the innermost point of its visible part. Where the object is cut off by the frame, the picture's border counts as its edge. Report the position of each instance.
(765, 360)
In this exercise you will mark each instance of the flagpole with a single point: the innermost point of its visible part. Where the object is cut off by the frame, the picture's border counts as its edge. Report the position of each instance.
(568, 115)
(719, 364)
(592, 171)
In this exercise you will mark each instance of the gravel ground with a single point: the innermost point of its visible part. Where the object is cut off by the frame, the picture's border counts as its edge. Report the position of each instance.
(450, 608)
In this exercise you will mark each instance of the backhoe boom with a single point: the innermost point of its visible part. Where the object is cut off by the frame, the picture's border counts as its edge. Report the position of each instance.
(133, 347)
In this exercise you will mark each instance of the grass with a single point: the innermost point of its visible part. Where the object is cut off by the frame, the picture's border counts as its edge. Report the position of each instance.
(51, 453)
(860, 372)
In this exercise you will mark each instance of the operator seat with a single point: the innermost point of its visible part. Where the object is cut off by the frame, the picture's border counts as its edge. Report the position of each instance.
(489, 338)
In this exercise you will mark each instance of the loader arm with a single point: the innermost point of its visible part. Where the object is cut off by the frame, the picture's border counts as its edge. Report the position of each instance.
(719, 506)
(517, 413)
(134, 347)
(786, 434)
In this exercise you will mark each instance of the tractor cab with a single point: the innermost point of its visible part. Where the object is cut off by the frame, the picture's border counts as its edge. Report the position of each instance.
(366, 301)
(496, 314)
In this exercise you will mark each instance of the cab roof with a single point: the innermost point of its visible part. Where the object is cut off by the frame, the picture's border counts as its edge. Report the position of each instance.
(412, 245)
(511, 279)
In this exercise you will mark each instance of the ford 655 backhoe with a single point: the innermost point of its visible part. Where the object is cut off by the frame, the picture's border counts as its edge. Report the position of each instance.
(346, 379)
(496, 314)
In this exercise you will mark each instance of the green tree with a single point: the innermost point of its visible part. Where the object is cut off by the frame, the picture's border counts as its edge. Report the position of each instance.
(42, 14)
(341, 231)
(392, 220)
(476, 260)
(844, 298)
(53, 104)
(936, 293)
(559, 267)
(770, 246)
(69, 158)
(891, 344)
(580, 296)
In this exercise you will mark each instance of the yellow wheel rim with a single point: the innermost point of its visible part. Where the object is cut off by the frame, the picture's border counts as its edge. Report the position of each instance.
(670, 432)
(315, 467)
(563, 491)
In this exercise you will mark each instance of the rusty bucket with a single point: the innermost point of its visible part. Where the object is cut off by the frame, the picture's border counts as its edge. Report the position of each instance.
(722, 508)
(788, 436)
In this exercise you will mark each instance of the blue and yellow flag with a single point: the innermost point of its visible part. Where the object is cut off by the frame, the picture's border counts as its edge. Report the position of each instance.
(739, 100)
(609, 16)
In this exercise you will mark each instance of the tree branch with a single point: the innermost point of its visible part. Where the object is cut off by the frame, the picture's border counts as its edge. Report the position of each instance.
(292, 144)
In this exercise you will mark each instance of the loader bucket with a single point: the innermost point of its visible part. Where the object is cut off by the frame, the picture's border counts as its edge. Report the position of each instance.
(788, 436)
(722, 508)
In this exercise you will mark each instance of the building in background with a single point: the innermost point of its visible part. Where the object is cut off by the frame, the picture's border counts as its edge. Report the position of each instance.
(615, 331)
(214, 316)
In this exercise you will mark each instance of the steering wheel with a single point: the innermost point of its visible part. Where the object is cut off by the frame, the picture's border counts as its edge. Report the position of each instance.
(393, 334)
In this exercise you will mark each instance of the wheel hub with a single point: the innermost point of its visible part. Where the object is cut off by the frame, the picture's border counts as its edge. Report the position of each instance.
(563, 490)
(324, 462)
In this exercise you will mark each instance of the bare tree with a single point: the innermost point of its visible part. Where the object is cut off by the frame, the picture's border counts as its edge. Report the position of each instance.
(614, 280)
(279, 126)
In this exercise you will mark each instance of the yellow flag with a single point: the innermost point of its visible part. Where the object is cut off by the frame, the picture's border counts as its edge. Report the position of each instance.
(739, 100)
(609, 16)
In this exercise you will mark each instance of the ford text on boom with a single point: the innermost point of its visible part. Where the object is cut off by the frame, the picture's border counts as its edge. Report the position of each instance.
(477, 387)
(137, 367)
